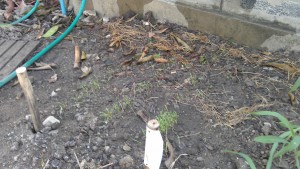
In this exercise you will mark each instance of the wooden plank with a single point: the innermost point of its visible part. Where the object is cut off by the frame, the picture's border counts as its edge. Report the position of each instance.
(2, 41)
(11, 52)
(18, 58)
(5, 46)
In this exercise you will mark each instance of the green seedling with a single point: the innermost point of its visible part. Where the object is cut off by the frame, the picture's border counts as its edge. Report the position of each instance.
(108, 114)
(143, 86)
(116, 108)
(166, 120)
(289, 141)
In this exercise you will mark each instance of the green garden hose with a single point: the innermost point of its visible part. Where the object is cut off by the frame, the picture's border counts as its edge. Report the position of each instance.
(47, 48)
(24, 17)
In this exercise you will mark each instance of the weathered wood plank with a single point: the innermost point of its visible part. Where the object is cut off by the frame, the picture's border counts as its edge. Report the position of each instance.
(2, 41)
(18, 58)
(11, 52)
(5, 46)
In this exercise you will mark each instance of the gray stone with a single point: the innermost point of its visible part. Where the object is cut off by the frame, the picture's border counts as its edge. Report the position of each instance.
(55, 164)
(53, 94)
(241, 163)
(200, 159)
(126, 162)
(126, 147)
(16, 146)
(51, 122)
(266, 128)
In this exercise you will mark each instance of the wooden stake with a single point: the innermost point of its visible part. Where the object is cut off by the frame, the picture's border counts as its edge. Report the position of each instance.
(77, 58)
(28, 92)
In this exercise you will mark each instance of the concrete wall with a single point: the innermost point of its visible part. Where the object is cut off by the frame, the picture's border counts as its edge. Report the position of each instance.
(257, 23)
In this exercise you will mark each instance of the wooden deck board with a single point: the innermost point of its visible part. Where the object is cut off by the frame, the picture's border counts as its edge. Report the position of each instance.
(13, 53)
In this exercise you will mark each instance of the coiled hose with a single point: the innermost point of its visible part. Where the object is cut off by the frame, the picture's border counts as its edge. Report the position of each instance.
(47, 48)
(24, 17)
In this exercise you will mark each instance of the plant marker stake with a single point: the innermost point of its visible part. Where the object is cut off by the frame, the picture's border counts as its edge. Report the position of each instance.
(28, 92)
(154, 145)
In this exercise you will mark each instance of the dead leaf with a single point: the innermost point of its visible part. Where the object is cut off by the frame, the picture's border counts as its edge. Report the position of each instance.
(204, 39)
(146, 59)
(40, 33)
(124, 73)
(83, 55)
(171, 158)
(142, 115)
(151, 34)
(266, 53)
(184, 44)
(160, 31)
(293, 99)
(19, 95)
(85, 72)
(43, 66)
(53, 78)
(127, 62)
(145, 51)
(132, 18)
(291, 69)
(235, 52)
(129, 52)
(160, 60)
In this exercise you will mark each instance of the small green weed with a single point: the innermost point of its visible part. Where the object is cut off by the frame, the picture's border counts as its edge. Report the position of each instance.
(289, 141)
(142, 86)
(116, 108)
(86, 89)
(108, 114)
(166, 120)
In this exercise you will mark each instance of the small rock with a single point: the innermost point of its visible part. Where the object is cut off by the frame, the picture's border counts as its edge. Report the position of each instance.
(126, 147)
(94, 148)
(51, 122)
(70, 143)
(83, 40)
(126, 162)
(16, 158)
(28, 117)
(94, 40)
(46, 130)
(105, 19)
(90, 13)
(266, 128)
(53, 133)
(55, 18)
(16, 146)
(200, 159)
(57, 155)
(241, 163)
(55, 164)
(209, 147)
(249, 82)
(53, 94)
(107, 149)
(66, 158)
(35, 161)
